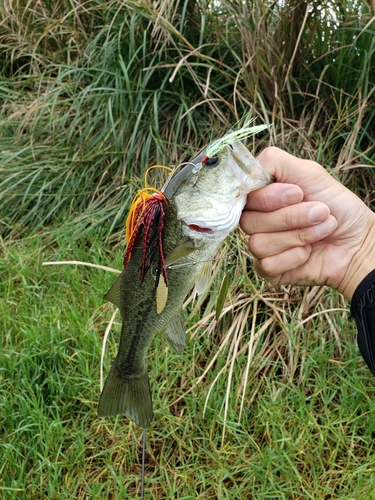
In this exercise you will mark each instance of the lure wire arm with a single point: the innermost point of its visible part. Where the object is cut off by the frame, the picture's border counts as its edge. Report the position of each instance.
(143, 462)
(174, 170)
(228, 256)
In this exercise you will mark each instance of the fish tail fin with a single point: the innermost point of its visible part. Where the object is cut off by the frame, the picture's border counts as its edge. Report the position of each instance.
(129, 396)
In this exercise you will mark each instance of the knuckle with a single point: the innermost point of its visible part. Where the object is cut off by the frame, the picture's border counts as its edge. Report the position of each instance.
(289, 219)
(268, 267)
(261, 268)
(256, 245)
(269, 153)
(307, 235)
(301, 255)
(304, 236)
(314, 166)
(267, 198)
(295, 217)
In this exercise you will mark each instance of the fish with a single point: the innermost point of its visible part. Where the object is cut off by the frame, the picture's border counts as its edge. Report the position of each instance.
(204, 200)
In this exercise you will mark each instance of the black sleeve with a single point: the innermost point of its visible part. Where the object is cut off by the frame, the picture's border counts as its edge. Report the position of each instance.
(363, 311)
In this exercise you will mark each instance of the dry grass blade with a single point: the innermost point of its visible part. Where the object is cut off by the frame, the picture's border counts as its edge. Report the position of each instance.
(105, 339)
(80, 263)
(232, 355)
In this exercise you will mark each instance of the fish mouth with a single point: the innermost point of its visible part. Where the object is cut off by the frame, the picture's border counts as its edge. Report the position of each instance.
(218, 226)
(200, 229)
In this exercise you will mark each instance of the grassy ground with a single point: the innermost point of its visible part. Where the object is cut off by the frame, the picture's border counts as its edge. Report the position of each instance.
(272, 401)
(305, 431)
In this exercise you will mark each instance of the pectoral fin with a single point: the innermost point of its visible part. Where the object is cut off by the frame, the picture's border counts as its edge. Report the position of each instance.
(174, 333)
(179, 252)
(113, 294)
(203, 280)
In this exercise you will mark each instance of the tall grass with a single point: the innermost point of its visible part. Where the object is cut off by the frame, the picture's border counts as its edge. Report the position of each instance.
(93, 94)
(271, 401)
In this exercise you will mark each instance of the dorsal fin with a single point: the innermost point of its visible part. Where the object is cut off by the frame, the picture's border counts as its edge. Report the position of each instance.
(113, 294)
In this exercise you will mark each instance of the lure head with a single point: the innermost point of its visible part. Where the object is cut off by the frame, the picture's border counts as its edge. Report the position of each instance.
(212, 194)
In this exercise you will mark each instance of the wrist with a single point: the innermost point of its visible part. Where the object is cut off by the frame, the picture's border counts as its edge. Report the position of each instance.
(361, 264)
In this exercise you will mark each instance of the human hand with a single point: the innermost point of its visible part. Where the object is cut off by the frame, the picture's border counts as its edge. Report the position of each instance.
(307, 228)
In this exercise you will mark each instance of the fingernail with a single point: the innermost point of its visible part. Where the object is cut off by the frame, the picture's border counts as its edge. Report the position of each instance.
(327, 227)
(291, 195)
(318, 213)
(308, 248)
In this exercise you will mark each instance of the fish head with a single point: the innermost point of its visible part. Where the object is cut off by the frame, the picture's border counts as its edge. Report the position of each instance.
(213, 193)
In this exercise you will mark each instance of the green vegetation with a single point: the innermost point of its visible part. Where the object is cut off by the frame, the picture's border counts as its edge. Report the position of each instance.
(272, 401)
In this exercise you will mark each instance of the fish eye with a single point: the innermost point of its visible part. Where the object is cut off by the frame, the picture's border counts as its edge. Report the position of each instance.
(211, 162)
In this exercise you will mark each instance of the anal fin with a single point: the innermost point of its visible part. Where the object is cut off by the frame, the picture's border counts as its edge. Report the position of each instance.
(174, 333)
(203, 280)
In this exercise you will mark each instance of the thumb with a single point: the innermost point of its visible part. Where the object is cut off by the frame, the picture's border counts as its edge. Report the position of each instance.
(291, 170)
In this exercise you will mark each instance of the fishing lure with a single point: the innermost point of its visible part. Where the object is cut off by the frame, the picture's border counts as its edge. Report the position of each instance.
(216, 147)
(146, 219)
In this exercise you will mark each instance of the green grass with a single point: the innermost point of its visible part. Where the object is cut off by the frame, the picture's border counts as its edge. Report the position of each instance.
(305, 431)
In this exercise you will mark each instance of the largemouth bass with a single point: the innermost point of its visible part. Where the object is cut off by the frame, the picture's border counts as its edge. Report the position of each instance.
(205, 198)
